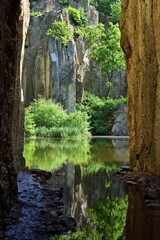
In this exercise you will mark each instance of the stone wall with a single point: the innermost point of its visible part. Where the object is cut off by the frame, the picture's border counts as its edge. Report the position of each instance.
(140, 28)
(120, 126)
(12, 31)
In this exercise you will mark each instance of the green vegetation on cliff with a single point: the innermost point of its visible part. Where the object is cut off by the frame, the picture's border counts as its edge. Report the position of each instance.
(61, 31)
(78, 16)
(105, 47)
(102, 41)
(109, 10)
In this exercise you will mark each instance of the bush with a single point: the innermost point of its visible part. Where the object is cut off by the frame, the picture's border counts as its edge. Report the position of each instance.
(45, 118)
(29, 123)
(60, 30)
(100, 111)
(78, 16)
(34, 13)
(48, 113)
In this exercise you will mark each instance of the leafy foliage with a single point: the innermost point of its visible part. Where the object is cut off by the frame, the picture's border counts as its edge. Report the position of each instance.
(106, 8)
(115, 11)
(100, 112)
(34, 13)
(78, 16)
(29, 123)
(46, 118)
(60, 30)
(105, 47)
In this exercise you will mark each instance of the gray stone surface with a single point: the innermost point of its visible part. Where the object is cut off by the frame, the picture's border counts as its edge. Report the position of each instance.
(50, 68)
(120, 122)
(63, 72)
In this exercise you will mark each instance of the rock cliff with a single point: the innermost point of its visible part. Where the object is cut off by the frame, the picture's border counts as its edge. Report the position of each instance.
(12, 32)
(62, 72)
(50, 68)
(140, 28)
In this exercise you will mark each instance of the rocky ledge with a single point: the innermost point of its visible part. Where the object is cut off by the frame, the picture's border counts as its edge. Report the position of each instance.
(38, 212)
(149, 184)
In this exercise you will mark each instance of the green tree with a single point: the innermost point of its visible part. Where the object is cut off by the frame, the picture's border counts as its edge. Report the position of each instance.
(105, 48)
(103, 7)
(115, 12)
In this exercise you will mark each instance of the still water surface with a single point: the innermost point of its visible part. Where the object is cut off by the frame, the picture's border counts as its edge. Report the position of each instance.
(85, 170)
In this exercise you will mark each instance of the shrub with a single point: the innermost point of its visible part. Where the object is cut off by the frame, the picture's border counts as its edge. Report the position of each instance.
(48, 113)
(34, 13)
(78, 16)
(45, 118)
(29, 123)
(100, 111)
(60, 30)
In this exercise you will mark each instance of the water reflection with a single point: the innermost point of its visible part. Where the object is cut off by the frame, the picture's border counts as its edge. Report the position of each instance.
(87, 179)
(52, 154)
(142, 222)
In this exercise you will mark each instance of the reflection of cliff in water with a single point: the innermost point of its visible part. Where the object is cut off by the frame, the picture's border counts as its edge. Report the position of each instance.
(110, 150)
(142, 223)
(86, 184)
(86, 167)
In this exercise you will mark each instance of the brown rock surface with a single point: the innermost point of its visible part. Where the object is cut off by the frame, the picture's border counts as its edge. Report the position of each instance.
(140, 28)
(12, 32)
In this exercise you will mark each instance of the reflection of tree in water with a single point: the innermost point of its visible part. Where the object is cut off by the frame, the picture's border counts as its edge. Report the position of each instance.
(87, 176)
(86, 189)
(106, 221)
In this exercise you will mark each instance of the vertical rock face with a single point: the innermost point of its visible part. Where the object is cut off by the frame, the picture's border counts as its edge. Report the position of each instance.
(12, 32)
(50, 68)
(79, 3)
(96, 83)
(140, 28)
(62, 72)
